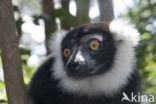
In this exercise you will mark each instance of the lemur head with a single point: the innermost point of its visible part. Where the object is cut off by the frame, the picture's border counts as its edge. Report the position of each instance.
(95, 58)
(88, 50)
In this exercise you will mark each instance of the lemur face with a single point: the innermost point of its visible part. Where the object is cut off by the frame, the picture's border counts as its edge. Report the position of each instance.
(88, 51)
(96, 58)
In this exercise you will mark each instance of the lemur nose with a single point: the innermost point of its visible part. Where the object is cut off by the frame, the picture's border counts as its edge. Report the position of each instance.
(76, 69)
(72, 65)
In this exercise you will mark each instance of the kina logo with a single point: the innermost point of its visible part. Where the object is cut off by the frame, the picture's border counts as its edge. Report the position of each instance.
(137, 98)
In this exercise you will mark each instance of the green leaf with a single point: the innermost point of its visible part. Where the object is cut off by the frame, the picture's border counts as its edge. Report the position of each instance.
(36, 19)
(145, 36)
(15, 8)
(65, 17)
(2, 85)
(19, 23)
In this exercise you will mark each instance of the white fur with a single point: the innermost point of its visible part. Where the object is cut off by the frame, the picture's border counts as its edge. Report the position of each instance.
(58, 66)
(79, 57)
(110, 82)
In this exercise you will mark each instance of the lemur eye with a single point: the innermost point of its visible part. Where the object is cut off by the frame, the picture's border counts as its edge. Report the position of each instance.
(94, 45)
(66, 52)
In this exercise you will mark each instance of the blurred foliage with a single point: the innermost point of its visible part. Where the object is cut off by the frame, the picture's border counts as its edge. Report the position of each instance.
(3, 97)
(36, 19)
(19, 20)
(143, 14)
(64, 16)
(27, 70)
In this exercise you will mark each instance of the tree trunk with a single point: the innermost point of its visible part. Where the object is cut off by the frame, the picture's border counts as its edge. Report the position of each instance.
(50, 24)
(65, 5)
(83, 11)
(106, 10)
(13, 75)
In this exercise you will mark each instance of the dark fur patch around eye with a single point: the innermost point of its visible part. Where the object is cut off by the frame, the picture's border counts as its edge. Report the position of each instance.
(91, 36)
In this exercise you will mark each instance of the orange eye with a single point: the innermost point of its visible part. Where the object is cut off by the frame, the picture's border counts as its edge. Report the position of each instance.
(66, 52)
(94, 45)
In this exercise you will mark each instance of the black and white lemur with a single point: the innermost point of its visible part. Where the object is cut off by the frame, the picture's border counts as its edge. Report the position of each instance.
(91, 64)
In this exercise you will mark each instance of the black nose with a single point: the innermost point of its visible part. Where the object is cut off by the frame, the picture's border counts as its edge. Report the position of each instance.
(72, 65)
(75, 68)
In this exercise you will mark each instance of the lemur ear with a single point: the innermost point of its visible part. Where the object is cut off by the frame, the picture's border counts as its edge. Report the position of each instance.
(124, 32)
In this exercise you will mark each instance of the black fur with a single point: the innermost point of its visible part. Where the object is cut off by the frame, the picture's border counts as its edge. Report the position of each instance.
(103, 58)
(44, 89)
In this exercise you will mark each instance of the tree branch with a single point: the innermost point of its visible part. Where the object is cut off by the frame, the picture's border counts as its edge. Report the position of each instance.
(106, 10)
(50, 24)
(82, 11)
